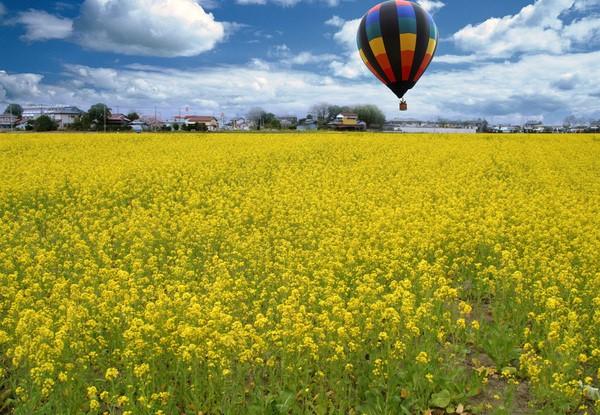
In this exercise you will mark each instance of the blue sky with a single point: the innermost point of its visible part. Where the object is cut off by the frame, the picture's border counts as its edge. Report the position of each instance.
(503, 60)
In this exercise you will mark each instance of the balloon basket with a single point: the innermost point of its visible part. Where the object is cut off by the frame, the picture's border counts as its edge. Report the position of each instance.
(403, 105)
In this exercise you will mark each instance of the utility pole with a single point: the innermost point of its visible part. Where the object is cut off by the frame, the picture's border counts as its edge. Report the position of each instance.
(104, 111)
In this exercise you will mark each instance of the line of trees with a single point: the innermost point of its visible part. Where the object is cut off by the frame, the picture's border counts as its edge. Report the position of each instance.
(263, 119)
(370, 114)
(323, 113)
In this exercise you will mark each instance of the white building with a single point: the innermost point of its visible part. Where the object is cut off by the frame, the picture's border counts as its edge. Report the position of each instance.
(8, 121)
(430, 127)
(63, 115)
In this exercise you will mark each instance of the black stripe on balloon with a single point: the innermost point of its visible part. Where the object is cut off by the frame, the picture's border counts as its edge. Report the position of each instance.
(364, 41)
(388, 18)
(422, 40)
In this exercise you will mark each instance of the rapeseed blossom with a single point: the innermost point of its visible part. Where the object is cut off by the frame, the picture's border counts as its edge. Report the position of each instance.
(308, 273)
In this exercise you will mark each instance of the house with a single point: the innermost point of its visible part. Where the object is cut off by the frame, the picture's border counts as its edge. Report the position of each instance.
(211, 123)
(139, 125)
(8, 121)
(509, 129)
(533, 127)
(307, 124)
(63, 115)
(347, 118)
(347, 121)
(115, 121)
(415, 126)
(236, 124)
(288, 121)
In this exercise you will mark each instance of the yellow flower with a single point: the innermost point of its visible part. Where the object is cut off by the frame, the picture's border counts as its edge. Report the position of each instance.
(111, 373)
(122, 400)
(94, 405)
(422, 358)
(91, 392)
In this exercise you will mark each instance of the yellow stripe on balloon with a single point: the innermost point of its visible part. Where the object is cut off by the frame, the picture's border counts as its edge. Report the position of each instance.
(377, 46)
(363, 57)
(431, 46)
(408, 41)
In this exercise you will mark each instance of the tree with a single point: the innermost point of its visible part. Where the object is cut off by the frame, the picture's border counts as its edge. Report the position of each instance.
(371, 115)
(133, 116)
(270, 120)
(97, 114)
(176, 127)
(321, 111)
(572, 121)
(334, 110)
(44, 123)
(483, 126)
(256, 115)
(14, 109)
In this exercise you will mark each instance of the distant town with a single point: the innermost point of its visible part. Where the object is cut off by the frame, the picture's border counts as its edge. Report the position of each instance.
(101, 117)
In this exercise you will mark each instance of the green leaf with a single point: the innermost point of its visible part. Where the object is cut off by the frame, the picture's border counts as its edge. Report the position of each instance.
(441, 399)
(285, 400)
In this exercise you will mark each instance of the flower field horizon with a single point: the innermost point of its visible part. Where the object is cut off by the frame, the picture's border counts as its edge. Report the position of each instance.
(316, 273)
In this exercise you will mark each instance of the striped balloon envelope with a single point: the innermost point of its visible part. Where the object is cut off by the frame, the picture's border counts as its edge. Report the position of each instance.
(397, 40)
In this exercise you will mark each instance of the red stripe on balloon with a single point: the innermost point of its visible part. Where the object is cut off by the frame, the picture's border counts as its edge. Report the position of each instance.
(407, 62)
(374, 72)
(385, 64)
(423, 66)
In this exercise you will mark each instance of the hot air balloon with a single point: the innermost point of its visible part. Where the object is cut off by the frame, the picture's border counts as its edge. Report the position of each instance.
(397, 40)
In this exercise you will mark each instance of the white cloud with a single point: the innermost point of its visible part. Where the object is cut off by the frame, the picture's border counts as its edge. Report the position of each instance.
(287, 57)
(350, 65)
(2, 10)
(40, 25)
(19, 86)
(306, 58)
(537, 27)
(457, 59)
(165, 28)
(335, 21)
(431, 5)
(585, 31)
(583, 5)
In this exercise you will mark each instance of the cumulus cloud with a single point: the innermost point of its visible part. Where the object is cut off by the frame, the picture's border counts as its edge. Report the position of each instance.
(40, 25)
(286, 57)
(584, 31)
(19, 86)
(335, 21)
(457, 59)
(431, 5)
(537, 27)
(350, 65)
(165, 28)
(566, 82)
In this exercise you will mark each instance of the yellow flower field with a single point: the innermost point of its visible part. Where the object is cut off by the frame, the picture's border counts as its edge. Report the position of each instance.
(299, 274)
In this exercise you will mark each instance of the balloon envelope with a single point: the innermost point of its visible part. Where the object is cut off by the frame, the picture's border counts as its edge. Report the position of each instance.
(397, 40)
